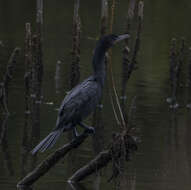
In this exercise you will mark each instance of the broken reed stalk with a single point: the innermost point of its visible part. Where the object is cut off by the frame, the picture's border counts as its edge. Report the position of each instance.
(104, 17)
(49, 162)
(75, 69)
(28, 65)
(35, 96)
(7, 79)
(136, 48)
(129, 64)
(104, 157)
(126, 51)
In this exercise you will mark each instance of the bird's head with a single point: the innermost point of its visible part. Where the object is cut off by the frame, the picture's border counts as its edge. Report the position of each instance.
(111, 39)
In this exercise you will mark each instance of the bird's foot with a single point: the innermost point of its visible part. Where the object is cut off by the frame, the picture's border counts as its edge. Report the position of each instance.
(75, 133)
(90, 130)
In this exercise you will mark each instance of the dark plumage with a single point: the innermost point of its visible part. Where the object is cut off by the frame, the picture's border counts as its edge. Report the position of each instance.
(83, 98)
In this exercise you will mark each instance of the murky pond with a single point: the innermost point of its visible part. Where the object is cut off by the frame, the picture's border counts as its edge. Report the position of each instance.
(163, 159)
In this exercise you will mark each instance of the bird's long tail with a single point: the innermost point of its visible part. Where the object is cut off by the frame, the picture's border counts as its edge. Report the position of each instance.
(47, 142)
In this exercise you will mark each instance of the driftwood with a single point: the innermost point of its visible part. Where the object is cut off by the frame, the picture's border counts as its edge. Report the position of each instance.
(104, 157)
(49, 162)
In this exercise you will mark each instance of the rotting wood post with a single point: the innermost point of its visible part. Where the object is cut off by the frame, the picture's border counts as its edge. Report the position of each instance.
(97, 119)
(104, 17)
(50, 161)
(39, 52)
(75, 69)
(138, 39)
(28, 65)
(37, 75)
(126, 52)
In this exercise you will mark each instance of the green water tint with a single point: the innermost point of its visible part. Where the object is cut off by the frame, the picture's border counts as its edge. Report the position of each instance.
(163, 160)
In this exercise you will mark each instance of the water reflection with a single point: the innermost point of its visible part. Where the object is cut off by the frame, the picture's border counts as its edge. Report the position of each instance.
(4, 145)
(164, 159)
(57, 76)
(176, 165)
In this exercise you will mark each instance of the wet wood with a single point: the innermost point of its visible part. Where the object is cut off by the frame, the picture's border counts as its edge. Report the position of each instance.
(50, 161)
(100, 161)
(106, 156)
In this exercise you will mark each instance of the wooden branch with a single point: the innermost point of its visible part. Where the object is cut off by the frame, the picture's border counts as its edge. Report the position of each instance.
(49, 162)
(101, 160)
(104, 157)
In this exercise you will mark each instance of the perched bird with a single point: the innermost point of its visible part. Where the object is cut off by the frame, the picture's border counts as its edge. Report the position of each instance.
(83, 98)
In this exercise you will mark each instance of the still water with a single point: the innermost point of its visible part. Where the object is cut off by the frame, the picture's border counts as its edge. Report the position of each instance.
(163, 160)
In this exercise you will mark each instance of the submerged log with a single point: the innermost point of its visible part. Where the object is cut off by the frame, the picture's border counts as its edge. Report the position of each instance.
(49, 162)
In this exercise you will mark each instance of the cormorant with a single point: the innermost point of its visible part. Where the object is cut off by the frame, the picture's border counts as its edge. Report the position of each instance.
(83, 98)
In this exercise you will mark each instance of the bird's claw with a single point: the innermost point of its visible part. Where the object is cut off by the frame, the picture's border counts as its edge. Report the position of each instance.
(91, 130)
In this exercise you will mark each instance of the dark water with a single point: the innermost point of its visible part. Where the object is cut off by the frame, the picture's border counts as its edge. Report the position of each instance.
(163, 160)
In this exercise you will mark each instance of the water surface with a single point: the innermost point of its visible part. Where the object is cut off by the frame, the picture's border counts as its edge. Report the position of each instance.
(163, 160)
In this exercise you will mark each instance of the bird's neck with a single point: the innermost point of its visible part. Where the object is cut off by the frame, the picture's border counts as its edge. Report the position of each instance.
(99, 64)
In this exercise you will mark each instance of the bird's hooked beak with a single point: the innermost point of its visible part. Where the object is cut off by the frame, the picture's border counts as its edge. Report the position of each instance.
(121, 37)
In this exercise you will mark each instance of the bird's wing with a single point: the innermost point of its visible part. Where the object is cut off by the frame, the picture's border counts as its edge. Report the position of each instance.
(79, 102)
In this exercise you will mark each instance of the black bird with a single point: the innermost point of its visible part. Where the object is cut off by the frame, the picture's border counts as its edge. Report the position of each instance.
(83, 98)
